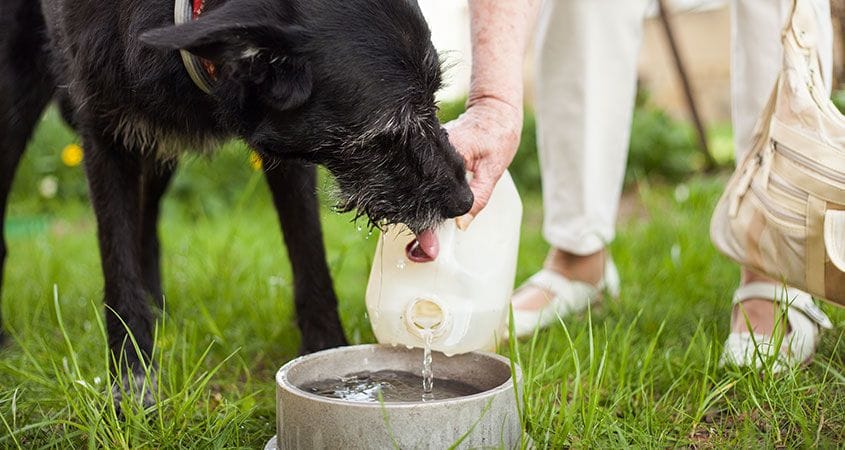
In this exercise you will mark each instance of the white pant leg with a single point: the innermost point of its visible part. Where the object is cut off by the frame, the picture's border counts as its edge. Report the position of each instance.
(585, 91)
(757, 58)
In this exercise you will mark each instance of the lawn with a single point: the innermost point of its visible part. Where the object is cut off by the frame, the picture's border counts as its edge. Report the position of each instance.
(640, 371)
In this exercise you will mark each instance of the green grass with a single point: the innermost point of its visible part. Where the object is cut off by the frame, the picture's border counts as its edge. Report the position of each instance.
(640, 371)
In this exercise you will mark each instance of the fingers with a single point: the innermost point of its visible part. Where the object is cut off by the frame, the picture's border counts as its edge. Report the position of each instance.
(482, 184)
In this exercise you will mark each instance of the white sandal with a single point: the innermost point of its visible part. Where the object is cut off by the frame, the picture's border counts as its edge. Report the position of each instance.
(804, 319)
(568, 297)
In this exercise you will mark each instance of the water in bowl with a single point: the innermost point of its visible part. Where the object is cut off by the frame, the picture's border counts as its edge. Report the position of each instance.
(391, 385)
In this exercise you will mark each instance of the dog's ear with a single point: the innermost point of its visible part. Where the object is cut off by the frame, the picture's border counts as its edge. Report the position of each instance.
(221, 42)
(257, 51)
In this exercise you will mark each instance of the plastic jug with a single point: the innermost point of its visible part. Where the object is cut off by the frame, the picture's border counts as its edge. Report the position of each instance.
(462, 297)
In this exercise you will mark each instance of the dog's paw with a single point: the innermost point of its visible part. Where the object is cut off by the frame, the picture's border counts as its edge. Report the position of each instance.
(137, 387)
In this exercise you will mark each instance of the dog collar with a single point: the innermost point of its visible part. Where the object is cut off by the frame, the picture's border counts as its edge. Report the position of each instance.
(202, 71)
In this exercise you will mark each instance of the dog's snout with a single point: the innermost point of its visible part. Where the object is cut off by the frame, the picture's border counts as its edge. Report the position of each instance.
(460, 202)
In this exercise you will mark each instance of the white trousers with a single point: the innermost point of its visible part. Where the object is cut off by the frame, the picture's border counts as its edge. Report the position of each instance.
(586, 70)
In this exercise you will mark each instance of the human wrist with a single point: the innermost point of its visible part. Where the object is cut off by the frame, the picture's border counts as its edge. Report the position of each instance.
(497, 109)
(501, 101)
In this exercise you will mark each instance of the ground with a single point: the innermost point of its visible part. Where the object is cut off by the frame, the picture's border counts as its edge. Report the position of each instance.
(638, 371)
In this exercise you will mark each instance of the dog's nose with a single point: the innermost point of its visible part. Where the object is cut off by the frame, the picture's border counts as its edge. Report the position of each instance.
(460, 202)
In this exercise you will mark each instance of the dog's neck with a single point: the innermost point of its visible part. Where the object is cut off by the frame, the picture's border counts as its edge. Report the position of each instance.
(202, 72)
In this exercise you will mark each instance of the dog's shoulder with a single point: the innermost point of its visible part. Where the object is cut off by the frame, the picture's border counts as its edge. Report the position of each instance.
(140, 95)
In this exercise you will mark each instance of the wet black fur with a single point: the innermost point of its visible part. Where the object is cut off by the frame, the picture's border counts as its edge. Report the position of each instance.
(347, 84)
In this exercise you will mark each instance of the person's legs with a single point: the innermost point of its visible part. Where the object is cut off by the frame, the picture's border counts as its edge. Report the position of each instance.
(586, 87)
(586, 81)
(756, 61)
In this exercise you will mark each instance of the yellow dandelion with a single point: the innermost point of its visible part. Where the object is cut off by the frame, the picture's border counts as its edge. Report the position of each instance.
(255, 161)
(72, 155)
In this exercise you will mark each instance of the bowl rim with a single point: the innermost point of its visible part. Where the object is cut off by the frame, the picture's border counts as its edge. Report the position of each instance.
(284, 383)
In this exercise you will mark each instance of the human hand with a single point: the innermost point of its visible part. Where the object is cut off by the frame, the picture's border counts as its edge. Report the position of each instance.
(487, 136)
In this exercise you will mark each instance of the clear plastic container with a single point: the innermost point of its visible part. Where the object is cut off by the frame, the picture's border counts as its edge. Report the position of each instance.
(461, 297)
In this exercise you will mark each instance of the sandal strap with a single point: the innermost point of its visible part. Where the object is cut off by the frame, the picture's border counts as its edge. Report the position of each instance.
(777, 293)
(557, 284)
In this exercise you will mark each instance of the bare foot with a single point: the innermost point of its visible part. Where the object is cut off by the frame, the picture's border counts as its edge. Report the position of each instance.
(761, 314)
(584, 268)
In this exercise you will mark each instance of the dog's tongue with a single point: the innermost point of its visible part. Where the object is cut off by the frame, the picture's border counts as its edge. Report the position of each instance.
(424, 248)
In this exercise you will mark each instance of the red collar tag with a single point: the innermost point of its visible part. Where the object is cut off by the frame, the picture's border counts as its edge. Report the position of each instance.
(202, 72)
(210, 68)
(198, 7)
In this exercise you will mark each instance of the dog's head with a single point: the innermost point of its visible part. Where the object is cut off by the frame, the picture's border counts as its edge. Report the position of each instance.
(348, 84)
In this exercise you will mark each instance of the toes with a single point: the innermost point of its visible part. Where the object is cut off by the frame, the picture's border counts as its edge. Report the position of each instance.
(136, 386)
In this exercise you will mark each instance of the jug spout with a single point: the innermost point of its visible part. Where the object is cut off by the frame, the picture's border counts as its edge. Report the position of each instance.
(426, 315)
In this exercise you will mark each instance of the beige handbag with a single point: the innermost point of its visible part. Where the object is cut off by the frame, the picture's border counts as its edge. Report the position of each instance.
(783, 211)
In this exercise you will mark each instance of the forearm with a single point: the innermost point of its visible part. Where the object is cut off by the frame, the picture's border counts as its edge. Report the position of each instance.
(500, 31)
(487, 134)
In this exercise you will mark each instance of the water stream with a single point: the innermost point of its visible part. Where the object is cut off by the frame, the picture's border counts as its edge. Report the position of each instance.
(427, 373)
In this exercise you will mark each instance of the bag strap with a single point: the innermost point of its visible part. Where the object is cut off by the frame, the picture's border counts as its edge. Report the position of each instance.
(802, 30)
(805, 38)
(803, 27)
(801, 43)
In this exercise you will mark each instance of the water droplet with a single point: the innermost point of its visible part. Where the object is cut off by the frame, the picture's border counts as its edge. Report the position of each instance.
(682, 193)
(676, 254)
(359, 228)
(400, 264)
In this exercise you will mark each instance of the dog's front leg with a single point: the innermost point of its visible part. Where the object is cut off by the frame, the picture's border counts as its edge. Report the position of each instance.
(293, 186)
(114, 179)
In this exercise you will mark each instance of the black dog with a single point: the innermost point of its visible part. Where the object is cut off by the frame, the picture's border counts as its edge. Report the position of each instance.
(347, 84)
